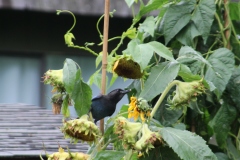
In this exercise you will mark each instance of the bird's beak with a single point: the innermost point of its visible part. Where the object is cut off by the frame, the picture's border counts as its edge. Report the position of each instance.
(126, 91)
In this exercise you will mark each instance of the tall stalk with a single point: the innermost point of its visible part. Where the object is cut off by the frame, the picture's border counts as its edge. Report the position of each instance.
(105, 54)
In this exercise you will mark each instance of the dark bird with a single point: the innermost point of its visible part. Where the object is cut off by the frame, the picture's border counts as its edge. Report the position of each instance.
(105, 105)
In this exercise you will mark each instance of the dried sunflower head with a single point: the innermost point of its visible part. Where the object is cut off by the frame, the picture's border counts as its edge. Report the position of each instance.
(81, 129)
(127, 68)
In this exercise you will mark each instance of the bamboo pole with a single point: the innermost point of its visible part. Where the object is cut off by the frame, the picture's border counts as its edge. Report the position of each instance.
(105, 54)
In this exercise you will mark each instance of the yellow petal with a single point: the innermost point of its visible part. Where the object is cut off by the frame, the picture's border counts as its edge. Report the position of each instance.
(142, 116)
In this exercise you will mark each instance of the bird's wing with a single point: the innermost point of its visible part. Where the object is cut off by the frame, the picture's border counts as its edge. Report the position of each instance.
(97, 97)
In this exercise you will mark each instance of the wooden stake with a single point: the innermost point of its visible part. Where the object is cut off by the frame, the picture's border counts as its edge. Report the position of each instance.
(105, 54)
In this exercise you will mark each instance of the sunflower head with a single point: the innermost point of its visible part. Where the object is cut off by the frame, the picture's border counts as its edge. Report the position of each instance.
(139, 107)
(186, 92)
(55, 79)
(81, 129)
(127, 68)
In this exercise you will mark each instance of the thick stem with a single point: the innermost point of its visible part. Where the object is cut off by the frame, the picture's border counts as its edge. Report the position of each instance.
(105, 54)
(227, 24)
(163, 95)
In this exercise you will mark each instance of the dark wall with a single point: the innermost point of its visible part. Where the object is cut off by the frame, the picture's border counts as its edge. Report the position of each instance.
(40, 32)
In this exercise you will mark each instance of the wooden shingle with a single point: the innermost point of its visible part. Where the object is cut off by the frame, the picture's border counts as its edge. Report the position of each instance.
(25, 128)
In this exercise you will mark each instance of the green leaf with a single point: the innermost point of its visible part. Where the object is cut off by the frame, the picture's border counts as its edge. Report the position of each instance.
(113, 79)
(222, 61)
(176, 17)
(234, 8)
(161, 50)
(151, 5)
(166, 116)
(98, 59)
(232, 150)
(107, 155)
(130, 33)
(187, 35)
(233, 87)
(69, 74)
(124, 111)
(68, 38)
(222, 156)
(221, 123)
(187, 144)
(81, 95)
(65, 109)
(189, 55)
(142, 53)
(203, 17)
(96, 79)
(159, 78)
(129, 2)
(148, 26)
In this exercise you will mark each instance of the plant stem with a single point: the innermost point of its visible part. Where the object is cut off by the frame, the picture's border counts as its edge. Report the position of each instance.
(118, 37)
(163, 95)
(221, 29)
(226, 24)
(105, 54)
(84, 48)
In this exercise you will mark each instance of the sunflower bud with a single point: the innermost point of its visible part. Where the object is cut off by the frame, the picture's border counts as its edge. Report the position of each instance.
(54, 78)
(61, 155)
(127, 68)
(126, 130)
(81, 129)
(148, 139)
(79, 156)
(186, 92)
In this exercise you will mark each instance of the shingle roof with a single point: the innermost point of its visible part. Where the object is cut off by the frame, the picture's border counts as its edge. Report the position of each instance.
(24, 129)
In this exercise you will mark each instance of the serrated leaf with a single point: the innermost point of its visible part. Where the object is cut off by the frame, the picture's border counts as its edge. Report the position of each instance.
(203, 17)
(65, 108)
(234, 8)
(221, 123)
(69, 74)
(159, 78)
(161, 50)
(189, 55)
(233, 87)
(81, 95)
(151, 5)
(104, 155)
(148, 26)
(187, 35)
(142, 53)
(222, 61)
(176, 17)
(186, 144)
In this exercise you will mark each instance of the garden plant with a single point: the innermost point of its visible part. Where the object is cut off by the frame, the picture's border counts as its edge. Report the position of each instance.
(184, 103)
